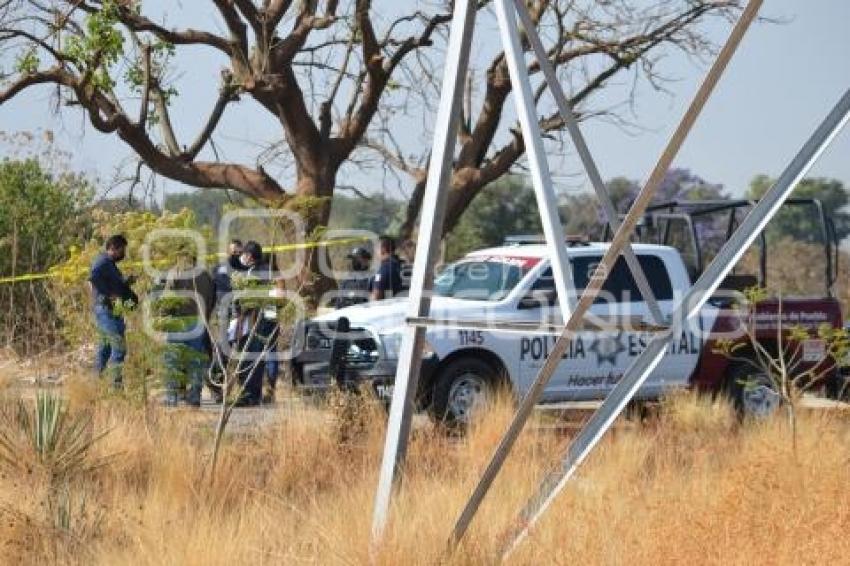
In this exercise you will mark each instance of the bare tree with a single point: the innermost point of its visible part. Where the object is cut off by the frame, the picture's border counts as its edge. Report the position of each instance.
(591, 44)
(338, 77)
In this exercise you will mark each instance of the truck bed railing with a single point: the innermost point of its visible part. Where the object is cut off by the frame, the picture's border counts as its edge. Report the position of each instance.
(688, 212)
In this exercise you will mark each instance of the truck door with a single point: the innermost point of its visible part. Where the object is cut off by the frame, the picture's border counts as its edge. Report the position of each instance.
(620, 298)
(575, 378)
(597, 360)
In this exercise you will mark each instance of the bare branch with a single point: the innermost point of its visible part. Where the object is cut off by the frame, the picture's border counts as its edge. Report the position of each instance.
(225, 95)
(378, 72)
(393, 157)
(307, 21)
(325, 117)
(251, 14)
(146, 86)
(274, 11)
(6, 33)
(238, 30)
(356, 191)
(139, 23)
(165, 126)
(53, 75)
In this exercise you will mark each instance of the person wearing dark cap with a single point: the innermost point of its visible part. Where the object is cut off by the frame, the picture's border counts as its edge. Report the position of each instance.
(355, 289)
(256, 333)
(386, 282)
(225, 269)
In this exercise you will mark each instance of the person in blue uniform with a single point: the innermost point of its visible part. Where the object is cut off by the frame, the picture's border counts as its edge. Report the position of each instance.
(386, 282)
(110, 290)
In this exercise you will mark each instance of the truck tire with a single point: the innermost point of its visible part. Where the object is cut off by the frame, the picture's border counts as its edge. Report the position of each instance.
(460, 388)
(752, 392)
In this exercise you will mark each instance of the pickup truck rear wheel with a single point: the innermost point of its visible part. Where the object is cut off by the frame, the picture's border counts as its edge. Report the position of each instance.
(753, 393)
(461, 389)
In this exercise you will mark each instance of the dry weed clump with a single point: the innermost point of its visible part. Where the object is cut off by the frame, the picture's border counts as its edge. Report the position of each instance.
(692, 485)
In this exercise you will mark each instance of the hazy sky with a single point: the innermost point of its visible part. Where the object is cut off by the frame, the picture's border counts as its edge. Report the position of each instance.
(779, 86)
(782, 82)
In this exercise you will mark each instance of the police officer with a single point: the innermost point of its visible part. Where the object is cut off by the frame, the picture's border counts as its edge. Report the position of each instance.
(225, 269)
(386, 282)
(110, 291)
(355, 289)
(255, 334)
(222, 279)
(187, 354)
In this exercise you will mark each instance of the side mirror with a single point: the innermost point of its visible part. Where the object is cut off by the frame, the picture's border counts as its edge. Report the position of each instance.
(538, 298)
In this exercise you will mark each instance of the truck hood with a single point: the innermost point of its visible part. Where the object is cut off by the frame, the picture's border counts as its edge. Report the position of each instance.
(388, 315)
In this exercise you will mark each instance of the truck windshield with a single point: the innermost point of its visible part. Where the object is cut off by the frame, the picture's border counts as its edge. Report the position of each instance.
(479, 280)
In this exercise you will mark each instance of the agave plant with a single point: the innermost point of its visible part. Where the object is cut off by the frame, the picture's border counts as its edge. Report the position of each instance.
(47, 436)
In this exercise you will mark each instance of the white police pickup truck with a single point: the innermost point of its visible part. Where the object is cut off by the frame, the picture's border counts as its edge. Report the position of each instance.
(514, 284)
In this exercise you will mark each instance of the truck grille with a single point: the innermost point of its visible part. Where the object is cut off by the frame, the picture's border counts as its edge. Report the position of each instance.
(315, 340)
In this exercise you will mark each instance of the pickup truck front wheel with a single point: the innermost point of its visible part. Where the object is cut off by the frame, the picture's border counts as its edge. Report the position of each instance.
(461, 389)
(753, 393)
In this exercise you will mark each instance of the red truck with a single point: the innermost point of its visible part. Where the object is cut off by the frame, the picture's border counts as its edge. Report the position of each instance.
(736, 365)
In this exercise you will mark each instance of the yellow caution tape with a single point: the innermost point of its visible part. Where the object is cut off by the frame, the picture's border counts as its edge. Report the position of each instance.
(280, 248)
(27, 277)
(320, 244)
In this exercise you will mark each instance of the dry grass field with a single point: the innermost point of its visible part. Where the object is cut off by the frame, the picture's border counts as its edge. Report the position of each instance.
(688, 486)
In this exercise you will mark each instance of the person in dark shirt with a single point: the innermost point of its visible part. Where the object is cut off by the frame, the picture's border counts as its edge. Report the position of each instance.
(225, 269)
(256, 333)
(408, 249)
(386, 282)
(223, 280)
(109, 289)
(190, 297)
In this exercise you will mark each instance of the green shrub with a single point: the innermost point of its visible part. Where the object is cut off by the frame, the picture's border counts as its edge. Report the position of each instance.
(41, 216)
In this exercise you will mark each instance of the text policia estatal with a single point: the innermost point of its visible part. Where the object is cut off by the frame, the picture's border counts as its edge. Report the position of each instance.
(606, 348)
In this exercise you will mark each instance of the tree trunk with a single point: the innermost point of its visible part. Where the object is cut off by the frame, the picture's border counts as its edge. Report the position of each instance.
(464, 187)
(411, 213)
(313, 204)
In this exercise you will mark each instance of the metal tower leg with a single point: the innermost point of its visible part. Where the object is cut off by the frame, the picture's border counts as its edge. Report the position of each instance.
(430, 232)
(596, 181)
(540, 176)
(621, 237)
(689, 306)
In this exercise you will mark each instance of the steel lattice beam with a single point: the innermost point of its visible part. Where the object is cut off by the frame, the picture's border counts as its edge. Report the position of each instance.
(620, 239)
(431, 222)
(729, 254)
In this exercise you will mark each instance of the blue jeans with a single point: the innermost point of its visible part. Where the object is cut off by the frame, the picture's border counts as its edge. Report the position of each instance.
(272, 368)
(185, 360)
(112, 345)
